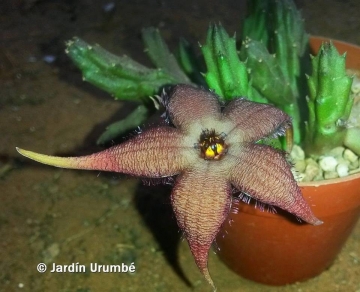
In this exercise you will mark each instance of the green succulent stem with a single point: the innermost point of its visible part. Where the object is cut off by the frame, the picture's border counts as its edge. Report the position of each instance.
(161, 56)
(126, 79)
(226, 74)
(120, 76)
(135, 119)
(352, 139)
(189, 63)
(329, 101)
(256, 24)
(270, 67)
(274, 44)
(288, 39)
(269, 79)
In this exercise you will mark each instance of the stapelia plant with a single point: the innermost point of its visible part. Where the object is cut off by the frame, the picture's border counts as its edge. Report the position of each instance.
(215, 142)
(126, 79)
(271, 65)
(210, 151)
(317, 94)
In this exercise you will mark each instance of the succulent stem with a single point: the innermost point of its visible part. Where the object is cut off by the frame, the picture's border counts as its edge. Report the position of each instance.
(190, 63)
(226, 74)
(271, 67)
(329, 101)
(275, 41)
(135, 119)
(121, 76)
(161, 56)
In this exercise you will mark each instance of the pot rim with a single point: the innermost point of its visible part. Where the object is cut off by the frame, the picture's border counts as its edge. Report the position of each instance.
(324, 38)
(329, 181)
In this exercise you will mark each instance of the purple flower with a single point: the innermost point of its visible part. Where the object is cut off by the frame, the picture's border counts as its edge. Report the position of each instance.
(211, 151)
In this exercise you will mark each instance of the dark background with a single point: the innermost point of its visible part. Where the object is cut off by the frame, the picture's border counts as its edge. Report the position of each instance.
(51, 215)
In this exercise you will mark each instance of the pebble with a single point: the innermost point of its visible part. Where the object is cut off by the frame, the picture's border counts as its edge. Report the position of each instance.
(339, 162)
(49, 59)
(343, 160)
(354, 255)
(109, 7)
(337, 152)
(355, 87)
(311, 171)
(328, 163)
(319, 176)
(354, 165)
(310, 161)
(349, 155)
(342, 169)
(297, 153)
(51, 252)
(354, 171)
(300, 165)
(330, 174)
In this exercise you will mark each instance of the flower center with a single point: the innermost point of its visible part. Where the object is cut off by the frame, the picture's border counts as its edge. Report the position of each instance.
(212, 145)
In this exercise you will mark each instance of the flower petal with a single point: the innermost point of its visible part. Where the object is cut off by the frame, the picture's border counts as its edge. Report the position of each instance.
(253, 121)
(193, 108)
(201, 202)
(269, 180)
(158, 152)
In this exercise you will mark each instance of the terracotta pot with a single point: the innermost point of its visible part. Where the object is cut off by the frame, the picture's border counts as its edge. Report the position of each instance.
(276, 249)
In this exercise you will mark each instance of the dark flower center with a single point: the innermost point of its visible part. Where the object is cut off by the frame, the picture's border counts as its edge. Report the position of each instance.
(212, 145)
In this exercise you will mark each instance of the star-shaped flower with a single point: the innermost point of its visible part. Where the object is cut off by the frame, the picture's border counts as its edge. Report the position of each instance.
(211, 151)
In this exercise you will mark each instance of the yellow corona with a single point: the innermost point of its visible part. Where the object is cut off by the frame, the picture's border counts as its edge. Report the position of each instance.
(212, 145)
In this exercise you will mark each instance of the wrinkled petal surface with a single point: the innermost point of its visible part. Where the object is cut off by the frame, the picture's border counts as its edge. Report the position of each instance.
(269, 180)
(253, 121)
(202, 193)
(158, 152)
(192, 110)
(201, 201)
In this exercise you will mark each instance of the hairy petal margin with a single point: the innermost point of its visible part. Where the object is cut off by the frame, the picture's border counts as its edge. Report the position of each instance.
(201, 202)
(157, 152)
(270, 180)
(253, 121)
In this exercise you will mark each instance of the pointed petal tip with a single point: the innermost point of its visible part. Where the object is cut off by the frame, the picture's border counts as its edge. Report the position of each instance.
(63, 162)
(208, 279)
(311, 219)
(305, 214)
(317, 222)
(23, 152)
(201, 259)
(29, 154)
